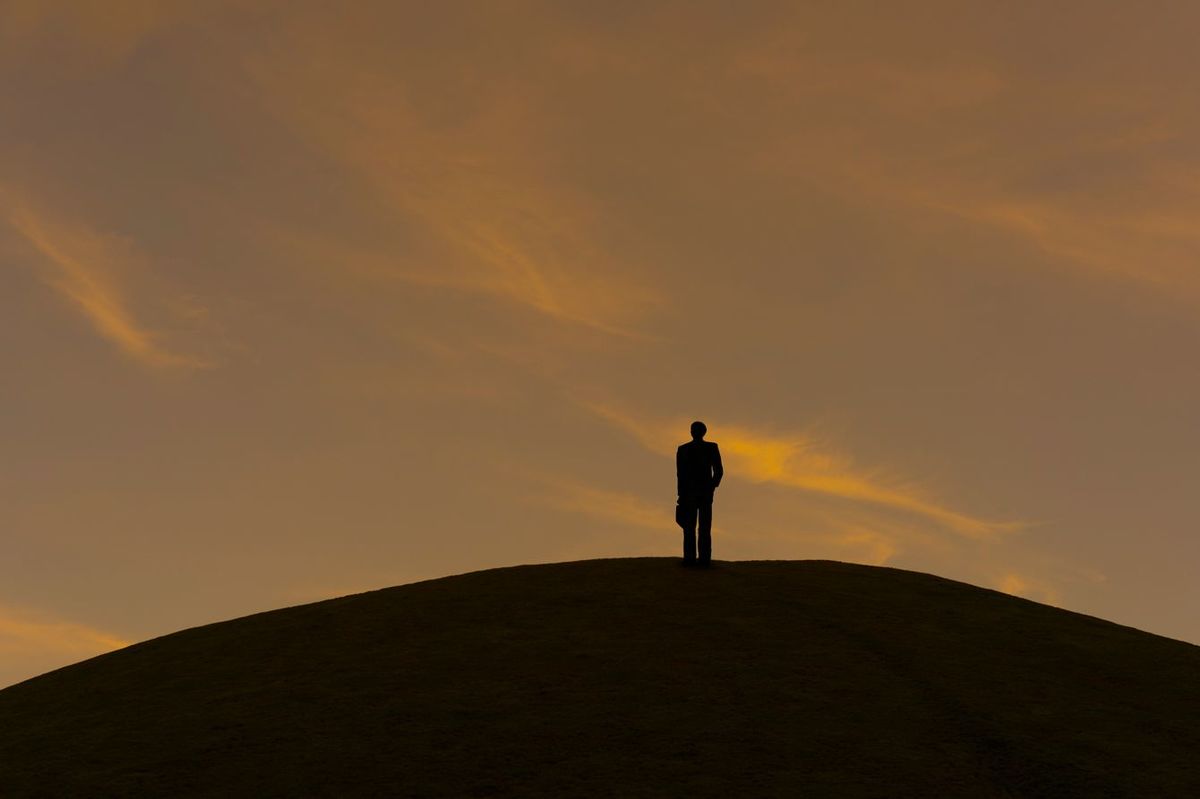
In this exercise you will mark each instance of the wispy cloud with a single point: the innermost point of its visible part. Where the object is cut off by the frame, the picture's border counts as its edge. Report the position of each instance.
(601, 503)
(85, 268)
(874, 546)
(24, 634)
(94, 32)
(1153, 246)
(1098, 178)
(483, 207)
(1030, 588)
(800, 462)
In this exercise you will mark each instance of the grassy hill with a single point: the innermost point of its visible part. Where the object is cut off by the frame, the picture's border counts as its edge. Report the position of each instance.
(625, 678)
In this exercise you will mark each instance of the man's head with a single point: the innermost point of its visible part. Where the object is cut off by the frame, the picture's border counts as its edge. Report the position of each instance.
(698, 430)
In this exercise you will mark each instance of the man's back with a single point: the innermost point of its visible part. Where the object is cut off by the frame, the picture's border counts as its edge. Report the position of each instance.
(698, 467)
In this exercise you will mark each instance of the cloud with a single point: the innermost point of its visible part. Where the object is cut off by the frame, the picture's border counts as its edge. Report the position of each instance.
(492, 259)
(85, 267)
(1019, 585)
(876, 548)
(461, 163)
(25, 634)
(1092, 168)
(88, 33)
(829, 535)
(601, 503)
(798, 461)
(1156, 246)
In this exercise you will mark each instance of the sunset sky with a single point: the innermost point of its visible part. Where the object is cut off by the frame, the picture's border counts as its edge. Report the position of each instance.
(301, 299)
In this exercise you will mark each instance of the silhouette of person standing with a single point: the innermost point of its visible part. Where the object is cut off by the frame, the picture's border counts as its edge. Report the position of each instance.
(698, 467)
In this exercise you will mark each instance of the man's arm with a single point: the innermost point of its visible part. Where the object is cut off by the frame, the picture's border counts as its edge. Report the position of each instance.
(679, 471)
(718, 470)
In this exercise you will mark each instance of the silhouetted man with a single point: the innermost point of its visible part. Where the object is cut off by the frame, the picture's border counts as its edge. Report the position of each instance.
(698, 467)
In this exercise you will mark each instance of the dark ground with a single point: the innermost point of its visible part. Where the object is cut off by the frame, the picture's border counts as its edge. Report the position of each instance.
(625, 678)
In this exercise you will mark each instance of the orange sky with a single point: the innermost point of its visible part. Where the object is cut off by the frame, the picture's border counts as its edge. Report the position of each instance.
(299, 302)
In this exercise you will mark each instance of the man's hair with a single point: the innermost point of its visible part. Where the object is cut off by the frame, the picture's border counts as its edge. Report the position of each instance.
(699, 429)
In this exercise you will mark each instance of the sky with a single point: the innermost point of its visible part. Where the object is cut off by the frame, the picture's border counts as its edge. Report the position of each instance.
(301, 299)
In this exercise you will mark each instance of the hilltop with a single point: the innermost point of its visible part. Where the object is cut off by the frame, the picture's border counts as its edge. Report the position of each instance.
(625, 678)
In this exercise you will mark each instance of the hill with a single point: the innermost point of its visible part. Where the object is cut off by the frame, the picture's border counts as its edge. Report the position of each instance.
(625, 678)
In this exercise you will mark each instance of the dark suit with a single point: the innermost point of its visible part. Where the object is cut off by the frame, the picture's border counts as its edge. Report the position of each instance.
(698, 468)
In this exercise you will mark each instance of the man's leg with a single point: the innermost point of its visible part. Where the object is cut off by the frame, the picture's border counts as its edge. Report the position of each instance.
(705, 512)
(689, 532)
